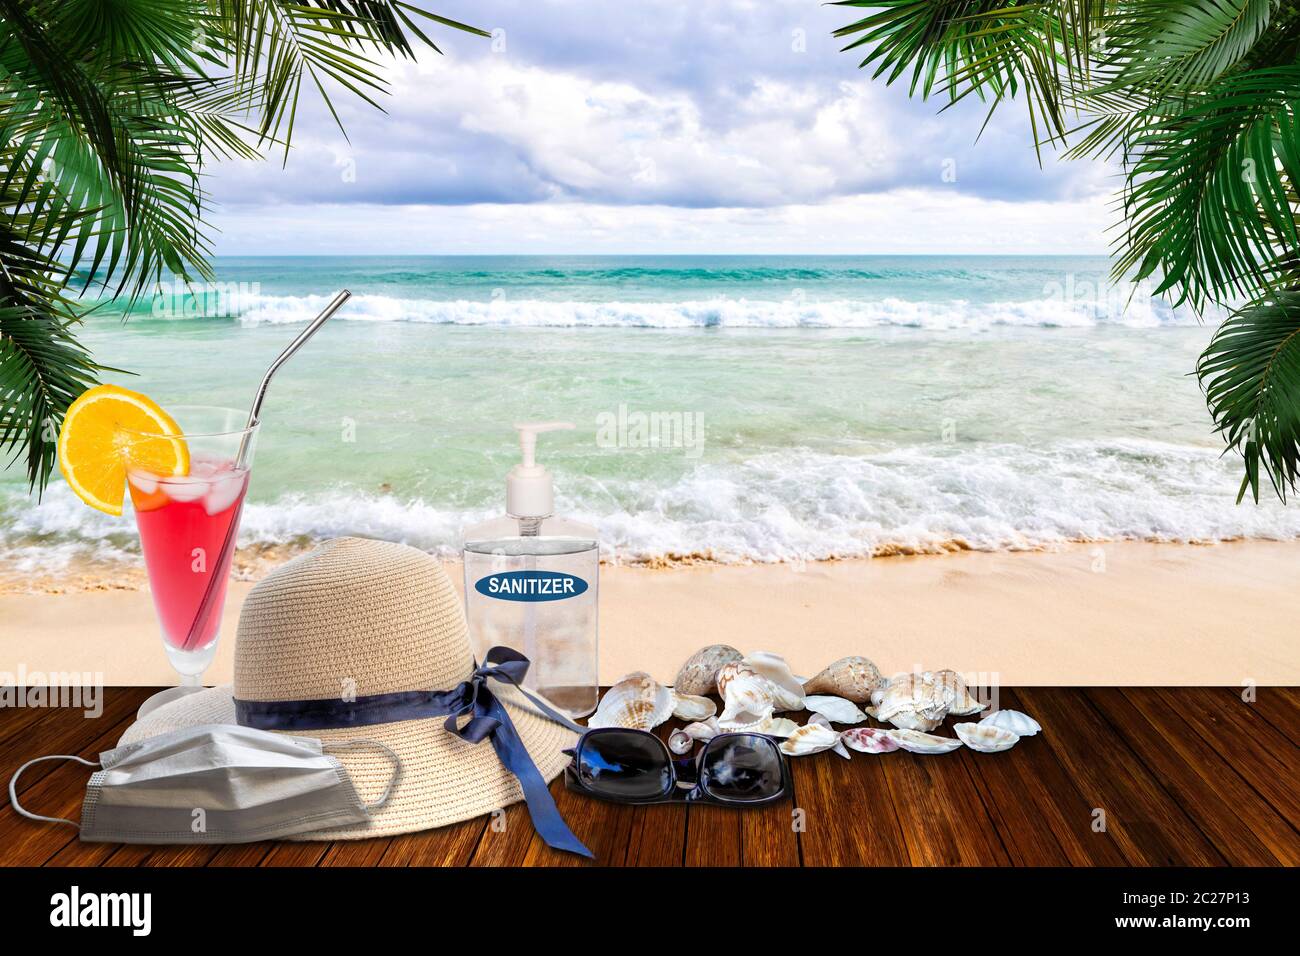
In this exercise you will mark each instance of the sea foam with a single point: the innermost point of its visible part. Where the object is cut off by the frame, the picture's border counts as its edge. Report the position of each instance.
(797, 504)
(727, 313)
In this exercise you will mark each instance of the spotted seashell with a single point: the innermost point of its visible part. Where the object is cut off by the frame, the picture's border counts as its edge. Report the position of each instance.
(853, 678)
(699, 675)
(637, 701)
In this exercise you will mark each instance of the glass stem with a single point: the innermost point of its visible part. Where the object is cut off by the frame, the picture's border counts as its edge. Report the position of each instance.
(190, 680)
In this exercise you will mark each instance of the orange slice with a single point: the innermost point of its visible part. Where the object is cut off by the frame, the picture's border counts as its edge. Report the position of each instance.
(94, 450)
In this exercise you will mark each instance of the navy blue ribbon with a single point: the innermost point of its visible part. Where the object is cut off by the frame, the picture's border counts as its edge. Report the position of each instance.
(472, 699)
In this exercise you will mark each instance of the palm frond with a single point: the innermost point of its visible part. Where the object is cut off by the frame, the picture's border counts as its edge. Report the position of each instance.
(1251, 376)
(1208, 195)
(109, 112)
(1166, 45)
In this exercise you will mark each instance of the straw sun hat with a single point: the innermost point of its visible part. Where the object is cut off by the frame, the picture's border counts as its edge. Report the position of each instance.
(372, 617)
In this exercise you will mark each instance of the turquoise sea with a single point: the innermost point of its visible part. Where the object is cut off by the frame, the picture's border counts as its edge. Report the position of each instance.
(734, 408)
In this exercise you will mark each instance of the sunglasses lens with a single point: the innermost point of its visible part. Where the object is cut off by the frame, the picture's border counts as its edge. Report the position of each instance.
(741, 768)
(624, 764)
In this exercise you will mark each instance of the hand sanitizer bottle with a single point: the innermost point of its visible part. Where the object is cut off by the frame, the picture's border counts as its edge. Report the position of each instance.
(531, 583)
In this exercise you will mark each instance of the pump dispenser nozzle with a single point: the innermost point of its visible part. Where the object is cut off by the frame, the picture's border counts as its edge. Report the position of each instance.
(529, 491)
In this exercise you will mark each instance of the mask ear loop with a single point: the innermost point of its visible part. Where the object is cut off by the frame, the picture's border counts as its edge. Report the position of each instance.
(13, 788)
(328, 745)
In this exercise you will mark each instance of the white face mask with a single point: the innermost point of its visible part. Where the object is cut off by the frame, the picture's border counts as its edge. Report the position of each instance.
(216, 783)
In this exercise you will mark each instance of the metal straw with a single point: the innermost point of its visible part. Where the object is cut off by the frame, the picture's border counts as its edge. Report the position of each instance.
(255, 413)
(254, 417)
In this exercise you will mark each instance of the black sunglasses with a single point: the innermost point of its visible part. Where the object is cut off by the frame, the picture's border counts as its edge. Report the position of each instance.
(634, 766)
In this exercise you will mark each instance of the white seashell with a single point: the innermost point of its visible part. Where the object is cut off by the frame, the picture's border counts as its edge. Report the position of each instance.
(699, 675)
(637, 701)
(869, 740)
(878, 694)
(811, 738)
(771, 725)
(746, 696)
(922, 743)
(691, 707)
(702, 730)
(959, 700)
(787, 691)
(1022, 725)
(680, 742)
(913, 702)
(853, 678)
(986, 738)
(838, 709)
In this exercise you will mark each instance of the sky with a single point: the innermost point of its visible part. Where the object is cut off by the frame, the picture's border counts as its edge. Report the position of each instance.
(663, 126)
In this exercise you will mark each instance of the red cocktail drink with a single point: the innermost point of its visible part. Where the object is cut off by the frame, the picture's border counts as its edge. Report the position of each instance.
(188, 528)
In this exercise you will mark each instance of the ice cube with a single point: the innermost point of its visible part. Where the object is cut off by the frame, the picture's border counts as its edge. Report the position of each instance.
(225, 492)
(147, 484)
(185, 489)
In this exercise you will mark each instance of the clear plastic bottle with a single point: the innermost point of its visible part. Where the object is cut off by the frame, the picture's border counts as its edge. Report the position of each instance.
(531, 583)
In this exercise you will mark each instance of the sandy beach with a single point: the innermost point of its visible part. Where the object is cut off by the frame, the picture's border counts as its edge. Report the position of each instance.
(1115, 614)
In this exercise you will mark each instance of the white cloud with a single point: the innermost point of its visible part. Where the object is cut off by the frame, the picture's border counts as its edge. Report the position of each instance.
(662, 128)
(899, 221)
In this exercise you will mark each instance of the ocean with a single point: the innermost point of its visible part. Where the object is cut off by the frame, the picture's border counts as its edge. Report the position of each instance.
(733, 409)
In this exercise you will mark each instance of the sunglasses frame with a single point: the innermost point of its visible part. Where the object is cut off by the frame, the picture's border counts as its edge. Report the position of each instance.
(677, 765)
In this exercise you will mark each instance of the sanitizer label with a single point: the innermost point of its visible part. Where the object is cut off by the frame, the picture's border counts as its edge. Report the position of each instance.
(530, 586)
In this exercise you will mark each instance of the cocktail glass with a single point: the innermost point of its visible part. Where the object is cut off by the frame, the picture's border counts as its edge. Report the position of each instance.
(188, 526)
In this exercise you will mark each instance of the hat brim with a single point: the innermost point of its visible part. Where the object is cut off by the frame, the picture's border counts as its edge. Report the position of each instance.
(444, 779)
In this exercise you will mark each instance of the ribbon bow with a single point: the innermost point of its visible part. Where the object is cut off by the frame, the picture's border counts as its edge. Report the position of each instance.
(489, 719)
(471, 698)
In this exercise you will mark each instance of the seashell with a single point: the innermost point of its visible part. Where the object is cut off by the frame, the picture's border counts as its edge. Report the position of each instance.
(680, 742)
(811, 738)
(853, 678)
(691, 707)
(746, 696)
(787, 691)
(702, 730)
(1022, 725)
(921, 743)
(636, 701)
(699, 675)
(913, 702)
(770, 725)
(959, 700)
(986, 738)
(869, 740)
(838, 709)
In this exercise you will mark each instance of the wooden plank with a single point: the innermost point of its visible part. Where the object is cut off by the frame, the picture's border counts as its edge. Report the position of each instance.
(1038, 811)
(768, 836)
(848, 811)
(356, 852)
(1255, 749)
(1238, 822)
(447, 846)
(657, 836)
(57, 788)
(242, 854)
(942, 819)
(1279, 706)
(605, 828)
(295, 853)
(1147, 823)
(19, 724)
(714, 836)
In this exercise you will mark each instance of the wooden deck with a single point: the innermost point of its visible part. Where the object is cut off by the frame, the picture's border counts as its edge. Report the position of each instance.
(1184, 776)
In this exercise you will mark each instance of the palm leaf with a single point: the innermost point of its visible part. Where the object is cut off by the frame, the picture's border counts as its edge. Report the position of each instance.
(108, 113)
(1251, 376)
